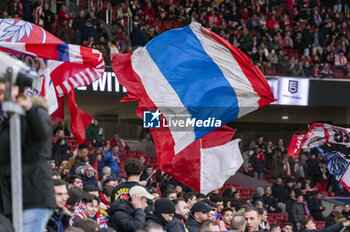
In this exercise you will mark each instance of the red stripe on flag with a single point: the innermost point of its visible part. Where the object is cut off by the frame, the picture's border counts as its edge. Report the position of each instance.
(253, 74)
(79, 119)
(127, 77)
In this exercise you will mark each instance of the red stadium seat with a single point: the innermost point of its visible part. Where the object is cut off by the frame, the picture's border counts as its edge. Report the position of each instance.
(338, 73)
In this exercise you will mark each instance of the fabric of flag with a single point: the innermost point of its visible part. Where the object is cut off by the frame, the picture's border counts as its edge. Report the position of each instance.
(62, 67)
(207, 163)
(333, 143)
(191, 71)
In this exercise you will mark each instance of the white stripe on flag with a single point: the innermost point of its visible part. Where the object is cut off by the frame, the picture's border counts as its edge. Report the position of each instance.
(59, 91)
(85, 78)
(67, 86)
(346, 177)
(93, 78)
(162, 94)
(246, 96)
(73, 82)
(218, 164)
(74, 54)
(19, 47)
(79, 79)
(100, 65)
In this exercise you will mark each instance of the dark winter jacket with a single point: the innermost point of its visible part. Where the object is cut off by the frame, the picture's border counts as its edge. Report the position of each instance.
(333, 228)
(298, 213)
(314, 206)
(89, 181)
(279, 192)
(36, 136)
(58, 221)
(192, 225)
(125, 218)
(176, 225)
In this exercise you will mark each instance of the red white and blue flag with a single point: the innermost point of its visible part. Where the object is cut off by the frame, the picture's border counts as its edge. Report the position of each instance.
(191, 71)
(333, 143)
(62, 67)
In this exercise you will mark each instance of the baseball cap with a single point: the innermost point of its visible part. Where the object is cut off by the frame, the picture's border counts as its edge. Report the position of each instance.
(201, 206)
(141, 192)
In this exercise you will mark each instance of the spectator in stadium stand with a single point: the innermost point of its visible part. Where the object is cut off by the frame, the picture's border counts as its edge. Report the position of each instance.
(279, 191)
(75, 196)
(251, 216)
(75, 181)
(181, 215)
(146, 173)
(171, 194)
(93, 190)
(270, 200)
(117, 140)
(219, 201)
(86, 225)
(288, 227)
(90, 209)
(238, 224)
(327, 72)
(48, 17)
(163, 213)
(190, 199)
(298, 211)
(38, 191)
(346, 211)
(340, 61)
(290, 202)
(199, 213)
(263, 225)
(245, 41)
(78, 26)
(78, 159)
(129, 215)
(258, 196)
(258, 163)
(59, 220)
(209, 225)
(275, 228)
(330, 220)
(64, 15)
(112, 160)
(94, 133)
(38, 14)
(60, 151)
(88, 177)
(227, 215)
(316, 207)
(309, 225)
(133, 168)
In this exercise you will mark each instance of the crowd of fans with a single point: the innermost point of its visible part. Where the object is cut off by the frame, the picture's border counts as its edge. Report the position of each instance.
(108, 188)
(306, 38)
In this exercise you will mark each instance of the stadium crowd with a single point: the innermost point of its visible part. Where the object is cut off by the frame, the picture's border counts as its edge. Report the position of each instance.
(105, 184)
(306, 38)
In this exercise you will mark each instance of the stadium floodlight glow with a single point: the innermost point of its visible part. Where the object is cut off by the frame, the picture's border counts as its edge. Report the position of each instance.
(285, 117)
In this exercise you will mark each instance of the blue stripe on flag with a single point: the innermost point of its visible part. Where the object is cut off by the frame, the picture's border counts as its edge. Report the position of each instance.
(194, 76)
(63, 52)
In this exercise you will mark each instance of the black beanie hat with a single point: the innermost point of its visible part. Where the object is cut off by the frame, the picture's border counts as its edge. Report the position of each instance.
(164, 205)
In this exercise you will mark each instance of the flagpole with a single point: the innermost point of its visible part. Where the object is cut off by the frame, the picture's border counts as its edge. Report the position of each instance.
(154, 171)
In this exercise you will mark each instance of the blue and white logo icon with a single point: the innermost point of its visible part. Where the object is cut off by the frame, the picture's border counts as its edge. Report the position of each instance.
(151, 119)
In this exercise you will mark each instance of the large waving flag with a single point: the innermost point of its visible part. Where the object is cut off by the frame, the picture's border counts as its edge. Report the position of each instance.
(333, 143)
(190, 71)
(62, 67)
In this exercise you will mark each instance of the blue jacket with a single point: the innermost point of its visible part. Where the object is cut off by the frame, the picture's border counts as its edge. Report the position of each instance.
(110, 162)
